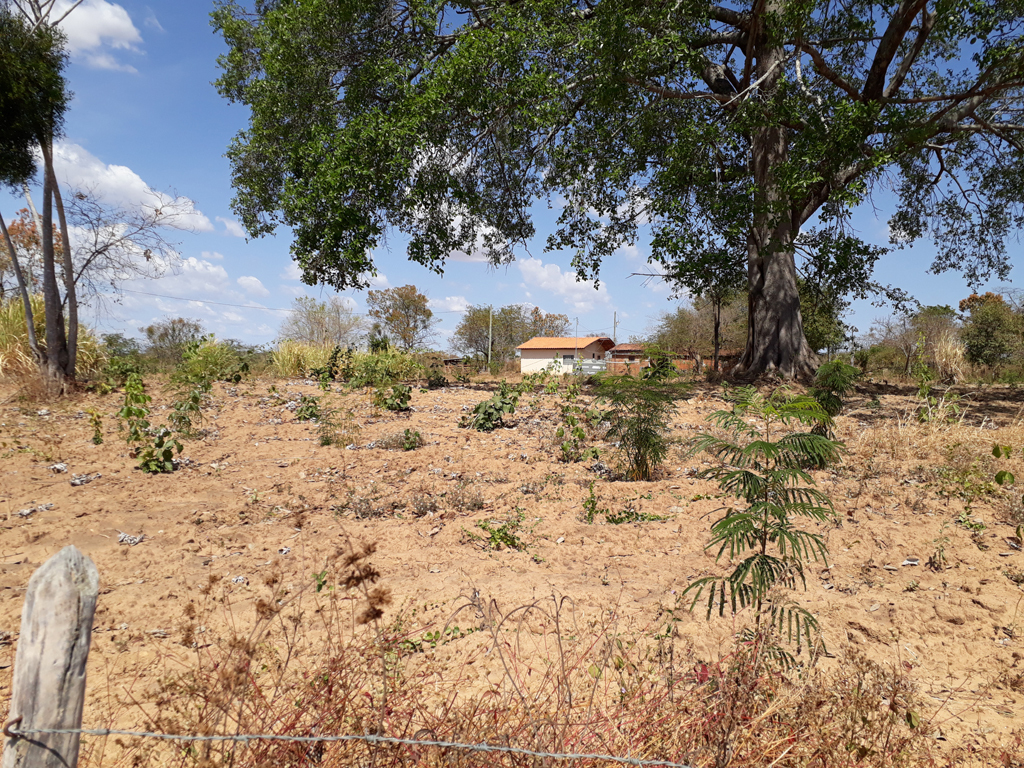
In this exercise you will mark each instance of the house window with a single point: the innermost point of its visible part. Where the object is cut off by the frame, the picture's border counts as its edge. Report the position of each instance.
(568, 359)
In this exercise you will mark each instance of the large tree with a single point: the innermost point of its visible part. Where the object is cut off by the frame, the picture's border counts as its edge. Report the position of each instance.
(447, 119)
(405, 314)
(324, 323)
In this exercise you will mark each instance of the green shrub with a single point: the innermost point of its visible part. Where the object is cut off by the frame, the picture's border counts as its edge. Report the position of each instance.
(308, 408)
(396, 398)
(489, 414)
(639, 411)
(411, 440)
(764, 465)
(134, 413)
(832, 383)
(207, 360)
(377, 370)
(158, 456)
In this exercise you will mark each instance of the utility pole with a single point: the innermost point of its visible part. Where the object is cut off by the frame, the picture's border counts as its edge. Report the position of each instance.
(615, 327)
(490, 329)
(576, 354)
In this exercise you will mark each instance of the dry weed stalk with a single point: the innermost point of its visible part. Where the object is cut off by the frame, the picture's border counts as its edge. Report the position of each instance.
(542, 676)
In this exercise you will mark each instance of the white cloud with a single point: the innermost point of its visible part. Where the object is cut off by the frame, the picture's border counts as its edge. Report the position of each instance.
(252, 286)
(294, 290)
(449, 304)
(581, 295)
(96, 27)
(152, 21)
(379, 281)
(232, 227)
(291, 272)
(630, 251)
(120, 185)
(212, 255)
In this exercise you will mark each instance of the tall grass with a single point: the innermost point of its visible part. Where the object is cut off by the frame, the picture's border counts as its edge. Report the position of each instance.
(15, 355)
(293, 359)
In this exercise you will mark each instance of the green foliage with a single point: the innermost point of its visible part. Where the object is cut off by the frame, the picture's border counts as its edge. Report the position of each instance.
(411, 440)
(329, 371)
(205, 360)
(97, 426)
(158, 456)
(308, 408)
(396, 398)
(763, 464)
(629, 514)
(436, 379)
(572, 435)
(490, 414)
(505, 329)
(501, 534)
(187, 409)
(118, 369)
(383, 368)
(134, 413)
(639, 412)
(661, 367)
(335, 427)
(832, 383)
(33, 96)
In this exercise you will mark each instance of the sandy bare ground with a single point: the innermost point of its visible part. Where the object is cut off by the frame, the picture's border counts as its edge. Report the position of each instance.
(259, 493)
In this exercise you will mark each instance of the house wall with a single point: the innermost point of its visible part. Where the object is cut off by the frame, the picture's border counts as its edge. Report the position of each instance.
(535, 360)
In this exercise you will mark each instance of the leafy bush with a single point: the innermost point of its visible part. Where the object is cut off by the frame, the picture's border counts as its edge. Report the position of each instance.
(158, 456)
(328, 372)
(639, 411)
(501, 534)
(489, 414)
(411, 440)
(396, 398)
(134, 413)
(384, 368)
(308, 408)
(206, 360)
(15, 355)
(832, 383)
(436, 379)
(767, 471)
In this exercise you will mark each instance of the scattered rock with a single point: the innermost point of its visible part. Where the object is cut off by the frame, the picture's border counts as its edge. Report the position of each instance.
(77, 480)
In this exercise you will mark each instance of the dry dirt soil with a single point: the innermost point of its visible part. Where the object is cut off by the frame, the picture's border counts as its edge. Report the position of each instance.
(259, 492)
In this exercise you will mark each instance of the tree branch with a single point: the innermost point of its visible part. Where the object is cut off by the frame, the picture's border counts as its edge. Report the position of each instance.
(823, 69)
(874, 84)
(927, 24)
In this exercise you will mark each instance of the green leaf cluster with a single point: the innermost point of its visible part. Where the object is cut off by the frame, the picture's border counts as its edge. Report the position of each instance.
(490, 414)
(639, 411)
(763, 464)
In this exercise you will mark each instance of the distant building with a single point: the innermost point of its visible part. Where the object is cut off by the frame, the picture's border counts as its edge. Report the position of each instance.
(561, 352)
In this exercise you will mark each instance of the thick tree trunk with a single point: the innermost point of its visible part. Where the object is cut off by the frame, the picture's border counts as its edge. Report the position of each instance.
(30, 323)
(70, 294)
(775, 333)
(56, 340)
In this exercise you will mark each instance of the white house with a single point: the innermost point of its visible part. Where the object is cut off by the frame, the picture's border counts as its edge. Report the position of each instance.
(561, 352)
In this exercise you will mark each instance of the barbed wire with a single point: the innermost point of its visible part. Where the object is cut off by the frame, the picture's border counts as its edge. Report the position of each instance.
(12, 731)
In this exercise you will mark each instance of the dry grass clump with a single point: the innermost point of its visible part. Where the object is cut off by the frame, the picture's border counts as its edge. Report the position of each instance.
(15, 355)
(292, 359)
(326, 659)
(951, 358)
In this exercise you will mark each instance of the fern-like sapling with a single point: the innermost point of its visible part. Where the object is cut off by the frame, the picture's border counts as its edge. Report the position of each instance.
(764, 464)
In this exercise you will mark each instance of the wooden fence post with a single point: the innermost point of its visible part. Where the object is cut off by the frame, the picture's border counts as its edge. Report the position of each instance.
(49, 668)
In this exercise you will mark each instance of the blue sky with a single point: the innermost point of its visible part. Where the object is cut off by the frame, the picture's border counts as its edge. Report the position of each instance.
(146, 117)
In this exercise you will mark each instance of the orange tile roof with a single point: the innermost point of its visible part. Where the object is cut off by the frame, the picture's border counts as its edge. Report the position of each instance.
(565, 342)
